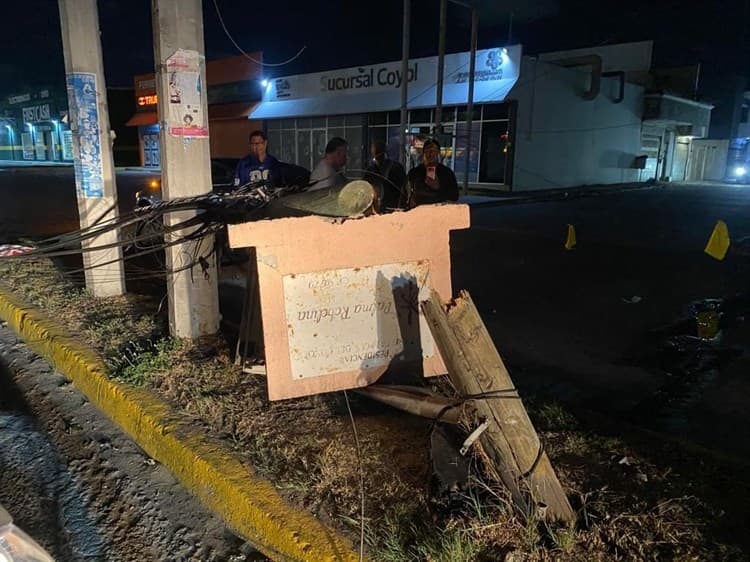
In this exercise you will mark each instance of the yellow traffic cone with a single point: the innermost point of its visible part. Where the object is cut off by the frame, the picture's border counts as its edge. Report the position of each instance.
(718, 243)
(570, 241)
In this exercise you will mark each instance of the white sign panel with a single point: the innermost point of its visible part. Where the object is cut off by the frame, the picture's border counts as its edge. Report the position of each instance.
(491, 65)
(377, 87)
(356, 319)
(185, 117)
(36, 113)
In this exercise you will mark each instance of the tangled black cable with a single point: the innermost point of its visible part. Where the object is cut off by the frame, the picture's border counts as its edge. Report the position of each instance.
(152, 234)
(499, 394)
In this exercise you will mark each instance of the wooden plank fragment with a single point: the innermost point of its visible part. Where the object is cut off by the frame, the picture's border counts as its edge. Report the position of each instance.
(511, 442)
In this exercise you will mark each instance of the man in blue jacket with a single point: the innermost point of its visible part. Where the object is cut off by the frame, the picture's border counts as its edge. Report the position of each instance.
(258, 165)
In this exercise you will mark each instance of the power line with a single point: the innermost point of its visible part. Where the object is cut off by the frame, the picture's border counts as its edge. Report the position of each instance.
(256, 61)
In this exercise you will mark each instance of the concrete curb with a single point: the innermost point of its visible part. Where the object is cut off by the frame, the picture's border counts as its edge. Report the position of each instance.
(250, 505)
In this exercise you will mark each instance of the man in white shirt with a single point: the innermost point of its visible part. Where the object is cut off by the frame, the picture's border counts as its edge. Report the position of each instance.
(328, 171)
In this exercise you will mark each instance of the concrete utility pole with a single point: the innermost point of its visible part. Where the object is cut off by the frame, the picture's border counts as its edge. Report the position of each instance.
(405, 82)
(441, 68)
(470, 101)
(185, 160)
(92, 143)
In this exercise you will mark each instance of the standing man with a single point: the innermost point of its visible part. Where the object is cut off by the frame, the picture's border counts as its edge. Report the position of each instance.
(431, 181)
(328, 171)
(388, 177)
(258, 165)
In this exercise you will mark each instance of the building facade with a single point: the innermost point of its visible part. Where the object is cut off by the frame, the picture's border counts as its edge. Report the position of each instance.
(362, 104)
(556, 120)
(34, 126)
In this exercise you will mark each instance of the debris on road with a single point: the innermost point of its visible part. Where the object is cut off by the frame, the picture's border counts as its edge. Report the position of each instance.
(8, 250)
(570, 240)
(718, 242)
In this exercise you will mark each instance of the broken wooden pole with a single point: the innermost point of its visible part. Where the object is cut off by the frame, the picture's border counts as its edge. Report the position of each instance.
(414, 400)
(510, 443)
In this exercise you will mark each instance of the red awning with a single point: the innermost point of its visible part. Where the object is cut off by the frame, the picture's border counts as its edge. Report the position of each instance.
(230, 110)
(143, 118)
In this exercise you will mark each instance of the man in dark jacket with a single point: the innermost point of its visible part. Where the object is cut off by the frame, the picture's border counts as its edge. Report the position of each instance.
(387, 176)
(258, 165)
(431, 182)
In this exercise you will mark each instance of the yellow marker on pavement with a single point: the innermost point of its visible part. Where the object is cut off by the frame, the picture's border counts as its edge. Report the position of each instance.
(718, 243)
(570, 241)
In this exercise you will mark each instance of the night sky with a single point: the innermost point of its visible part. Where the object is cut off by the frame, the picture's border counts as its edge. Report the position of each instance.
(345, 33)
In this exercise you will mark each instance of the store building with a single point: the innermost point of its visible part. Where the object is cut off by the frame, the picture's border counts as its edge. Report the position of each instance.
(33, 126)
(536, 124)
(233, 89)
(738, 149)
(362, 105)
(562, 119)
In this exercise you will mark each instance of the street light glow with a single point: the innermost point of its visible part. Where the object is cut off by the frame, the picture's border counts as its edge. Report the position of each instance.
(264, 83)
(740, 171)
(504, 54)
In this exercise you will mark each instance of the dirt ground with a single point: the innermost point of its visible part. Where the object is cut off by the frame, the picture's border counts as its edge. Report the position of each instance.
(639, 496)
(83, 489)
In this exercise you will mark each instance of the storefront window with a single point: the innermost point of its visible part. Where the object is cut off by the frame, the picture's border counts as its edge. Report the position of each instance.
(420, 116)
(463, 113)
(319, 141)
(394, 142)
(336, 132)
(274, 140)
(151, 146)
(495, 111)
(304, 149)
(67, 144)
(459, 161)
(28, 146)
(287, 152)
(354, 138)
(377, 118)
(494, 152)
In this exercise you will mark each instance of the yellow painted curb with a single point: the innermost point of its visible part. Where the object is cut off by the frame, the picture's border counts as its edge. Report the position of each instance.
(249, 505)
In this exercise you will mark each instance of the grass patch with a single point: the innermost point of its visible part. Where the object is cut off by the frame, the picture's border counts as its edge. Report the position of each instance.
(638, 498)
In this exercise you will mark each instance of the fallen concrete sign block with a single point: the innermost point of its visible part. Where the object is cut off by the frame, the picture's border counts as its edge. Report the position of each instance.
(340, 298)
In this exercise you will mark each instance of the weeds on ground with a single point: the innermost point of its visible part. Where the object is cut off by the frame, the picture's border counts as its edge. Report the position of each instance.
(635, 502)
(115, 326)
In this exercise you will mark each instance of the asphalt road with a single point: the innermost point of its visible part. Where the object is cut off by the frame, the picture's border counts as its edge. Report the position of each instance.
(566, 321)
(41, 200)
(77, 484)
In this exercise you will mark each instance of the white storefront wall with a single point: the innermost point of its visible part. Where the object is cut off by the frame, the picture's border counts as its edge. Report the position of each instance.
(562, 140)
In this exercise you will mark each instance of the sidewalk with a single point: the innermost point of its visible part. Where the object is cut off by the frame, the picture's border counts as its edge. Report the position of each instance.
(32, 163)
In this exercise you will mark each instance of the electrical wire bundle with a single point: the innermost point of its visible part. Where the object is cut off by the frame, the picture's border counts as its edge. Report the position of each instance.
(151, 229)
